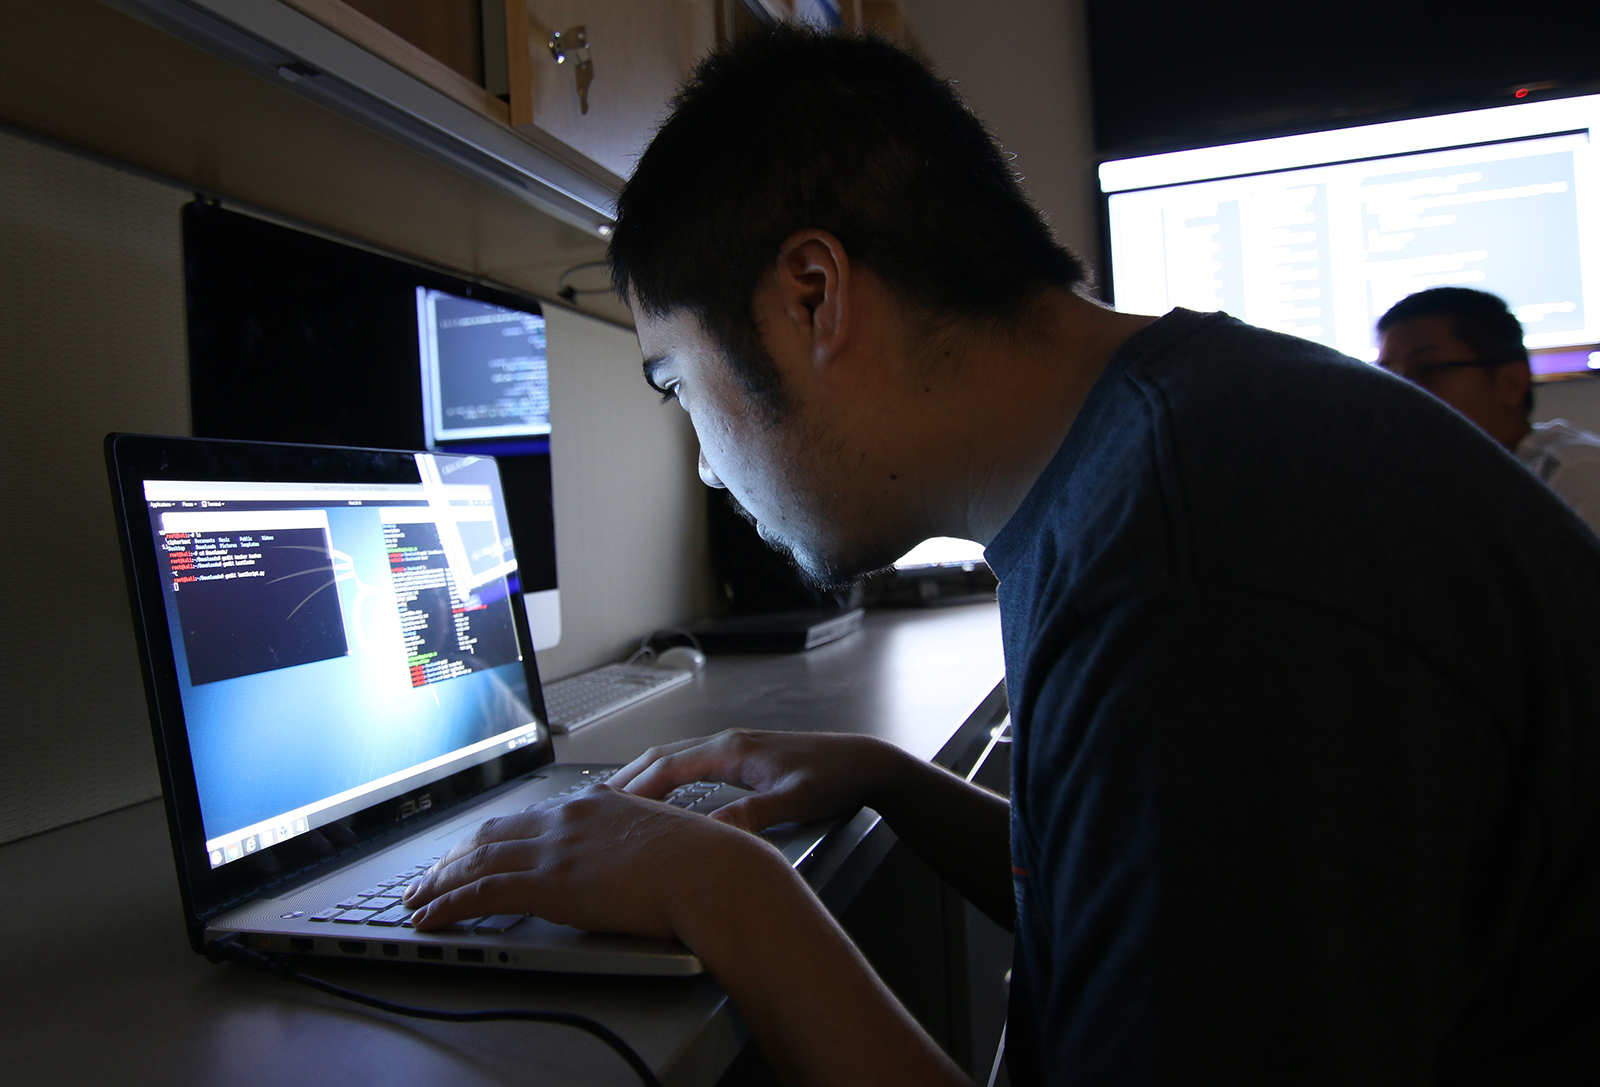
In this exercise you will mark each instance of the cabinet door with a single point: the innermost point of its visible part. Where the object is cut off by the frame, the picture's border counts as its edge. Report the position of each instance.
(640, 51)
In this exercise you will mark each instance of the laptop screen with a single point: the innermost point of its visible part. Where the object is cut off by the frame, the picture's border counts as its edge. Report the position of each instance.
(337, 644)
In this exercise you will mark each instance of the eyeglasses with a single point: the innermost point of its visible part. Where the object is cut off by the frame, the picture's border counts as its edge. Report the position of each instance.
(1428, 372)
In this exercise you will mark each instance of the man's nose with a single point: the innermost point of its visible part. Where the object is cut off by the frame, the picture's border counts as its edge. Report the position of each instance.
(707, 476)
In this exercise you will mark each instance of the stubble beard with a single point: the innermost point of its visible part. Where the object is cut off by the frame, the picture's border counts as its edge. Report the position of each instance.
(832, 572)
(848, 560)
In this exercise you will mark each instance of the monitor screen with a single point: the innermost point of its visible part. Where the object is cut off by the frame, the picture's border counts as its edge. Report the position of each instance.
(942, 552)
(1319, 234)
(485, 375)
(337, 644)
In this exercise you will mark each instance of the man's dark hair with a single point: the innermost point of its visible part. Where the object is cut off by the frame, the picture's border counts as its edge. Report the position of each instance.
(1479, 319)
(794, 129)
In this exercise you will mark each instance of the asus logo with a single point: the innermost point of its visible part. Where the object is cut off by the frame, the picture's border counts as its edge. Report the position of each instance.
(414, 805)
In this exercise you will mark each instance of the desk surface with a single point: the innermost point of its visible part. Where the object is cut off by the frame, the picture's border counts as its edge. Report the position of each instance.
(100, 984)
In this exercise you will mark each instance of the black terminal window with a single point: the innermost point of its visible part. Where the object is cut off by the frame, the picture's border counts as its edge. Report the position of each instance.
(254, 600)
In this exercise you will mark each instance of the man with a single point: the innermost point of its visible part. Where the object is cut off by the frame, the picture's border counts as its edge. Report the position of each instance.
(1465, 347)
(1305, 772)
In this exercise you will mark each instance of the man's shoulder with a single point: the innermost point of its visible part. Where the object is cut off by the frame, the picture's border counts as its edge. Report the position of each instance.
(1228, 369)
(1249, 460)
(1263, 426)
(1219, 333)
(1189, 404)
(1205, 432)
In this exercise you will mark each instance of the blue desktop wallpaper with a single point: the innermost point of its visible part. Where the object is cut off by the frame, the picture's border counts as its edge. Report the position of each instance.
(268, 743)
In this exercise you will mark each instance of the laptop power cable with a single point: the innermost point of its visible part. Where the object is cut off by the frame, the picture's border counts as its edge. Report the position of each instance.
(231, 948)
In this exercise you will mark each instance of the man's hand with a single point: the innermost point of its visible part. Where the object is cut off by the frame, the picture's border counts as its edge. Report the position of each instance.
(796, 777)
(601, 860)
(613, 861)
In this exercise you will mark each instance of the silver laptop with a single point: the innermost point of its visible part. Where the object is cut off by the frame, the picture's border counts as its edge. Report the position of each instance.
(341, 686)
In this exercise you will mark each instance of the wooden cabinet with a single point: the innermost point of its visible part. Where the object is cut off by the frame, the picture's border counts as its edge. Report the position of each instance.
(587, 108)
(595, 76)
(448, 30)
(638, 51)
(437, 42)
(495, 56)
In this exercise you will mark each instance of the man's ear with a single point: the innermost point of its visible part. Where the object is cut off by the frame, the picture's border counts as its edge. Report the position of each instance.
(811, 285)
(1511, 383)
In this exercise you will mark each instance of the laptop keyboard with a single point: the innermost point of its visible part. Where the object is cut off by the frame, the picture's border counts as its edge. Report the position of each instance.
(380, 904)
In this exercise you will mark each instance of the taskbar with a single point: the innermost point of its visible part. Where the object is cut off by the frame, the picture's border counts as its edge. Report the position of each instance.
(241, 843)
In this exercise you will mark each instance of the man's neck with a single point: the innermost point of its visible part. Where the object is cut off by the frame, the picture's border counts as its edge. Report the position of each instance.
(1007, 404)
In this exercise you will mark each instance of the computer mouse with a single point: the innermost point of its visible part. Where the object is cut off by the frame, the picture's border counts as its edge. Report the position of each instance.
(681, 657)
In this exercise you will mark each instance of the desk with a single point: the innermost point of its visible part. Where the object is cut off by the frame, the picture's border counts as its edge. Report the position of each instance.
(100, 985)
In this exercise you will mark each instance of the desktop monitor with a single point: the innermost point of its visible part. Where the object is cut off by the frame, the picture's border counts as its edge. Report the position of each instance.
(1318, 234)
(942, 553)
(299, 338)
(485, 371)
(940, 570)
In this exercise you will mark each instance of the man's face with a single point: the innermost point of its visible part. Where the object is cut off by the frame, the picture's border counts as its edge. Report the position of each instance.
(788, 473)
(1426, 351)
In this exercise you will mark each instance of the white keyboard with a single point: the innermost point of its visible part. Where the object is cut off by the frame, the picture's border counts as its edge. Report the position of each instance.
(575, 701)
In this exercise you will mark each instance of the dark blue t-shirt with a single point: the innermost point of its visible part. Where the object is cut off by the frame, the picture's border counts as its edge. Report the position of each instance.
(1305, 677)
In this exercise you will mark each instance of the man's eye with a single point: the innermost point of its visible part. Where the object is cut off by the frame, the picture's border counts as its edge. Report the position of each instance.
(661, 382)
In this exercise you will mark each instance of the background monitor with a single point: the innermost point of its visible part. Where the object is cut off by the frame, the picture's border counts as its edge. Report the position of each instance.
(942, 552)
(485, 371)
(1319, 234)
(940, 570)
(295, 337)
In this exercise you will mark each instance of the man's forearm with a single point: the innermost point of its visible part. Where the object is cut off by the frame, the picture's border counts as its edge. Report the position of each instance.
(959, 830)
(812, 1003)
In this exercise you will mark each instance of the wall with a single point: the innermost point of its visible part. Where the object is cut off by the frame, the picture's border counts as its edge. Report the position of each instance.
(631, 550)
(92, 340)
(1023, 67)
